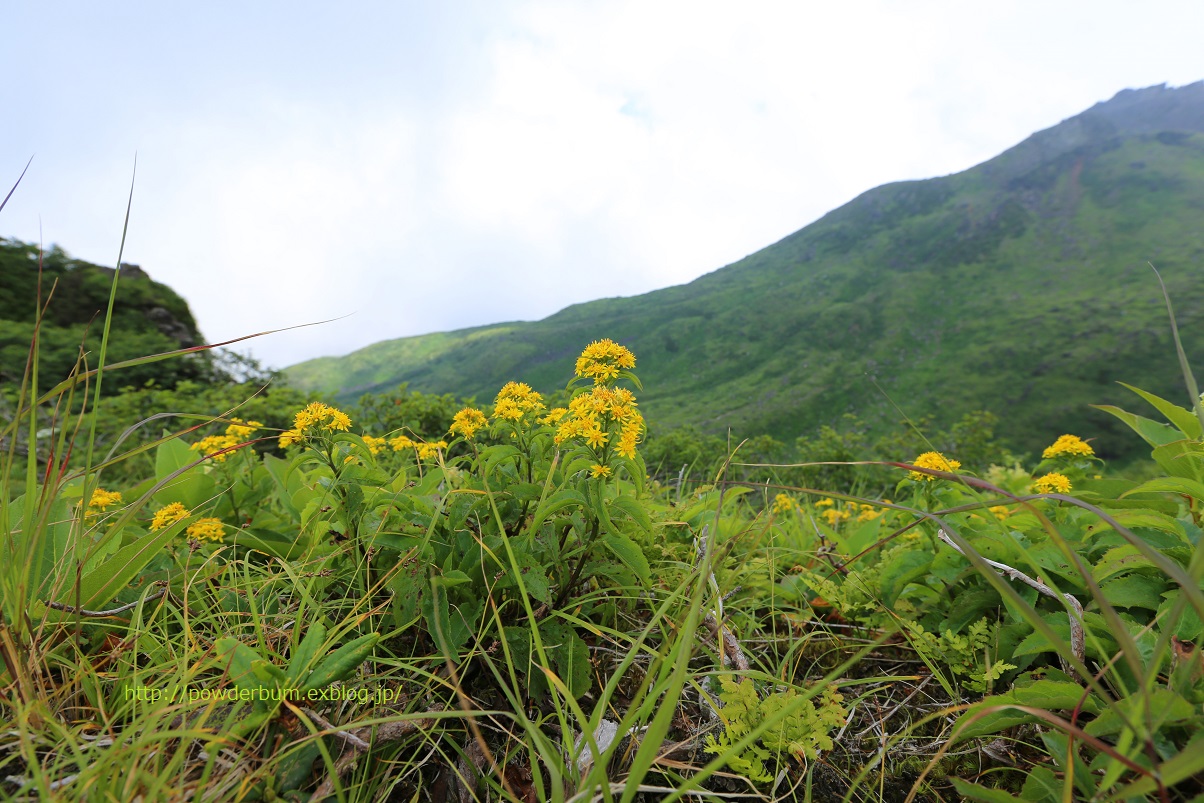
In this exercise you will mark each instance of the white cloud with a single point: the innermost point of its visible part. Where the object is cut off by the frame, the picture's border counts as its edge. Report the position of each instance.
(426, 172)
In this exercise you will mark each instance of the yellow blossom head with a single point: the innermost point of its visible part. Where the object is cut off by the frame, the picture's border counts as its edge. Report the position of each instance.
(1051, 483)
(207, 529)
(602, 361)
(102, 500)
(599, 471)
(467, 422)
(1068, 446)
(240, 429)
(168, 515)
(1000, 512)
(214, 446)
(935, 461)
(783, 504)
(375, 445)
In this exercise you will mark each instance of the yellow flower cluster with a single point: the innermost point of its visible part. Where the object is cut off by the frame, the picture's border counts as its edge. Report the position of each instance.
(423, 450)
(207, 529)
(825, 502)
(1000, 512)
(599, 471)
(783, 504)
(102, 500)
(1052, 483)
(169, 515)
(867, 513)
(315, 416)
(935, 461)
(515, 400)
(375, 445)
(591, 414)
(1071, 445)
(835, 516)
(602, 361)
(236, 433)
(467, 422)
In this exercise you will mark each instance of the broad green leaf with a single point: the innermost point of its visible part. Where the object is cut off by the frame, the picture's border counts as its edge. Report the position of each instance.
(908, 567)
(1184, 419)
(105, 581)
(1120, 560)
(1181, 459)
(1165, 707)
(171, 456)
(1171, 485)
(629, 552)
(342, 662)
(1154, 433)
(981, 794)
(1041, 786)
(554, 504)
(635, 510)
(304, 654)
(1135, 591)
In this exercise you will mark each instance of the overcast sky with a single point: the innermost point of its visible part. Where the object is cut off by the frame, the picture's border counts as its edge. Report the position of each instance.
(437, 165)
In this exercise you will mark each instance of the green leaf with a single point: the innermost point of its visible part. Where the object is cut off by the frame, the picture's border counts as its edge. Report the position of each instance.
(303, 656)
(555, 503)
(1120, 560)
(982, 794)
(569, 654)
(342, 662)
(1171, 485)
(1154, 433)
(634, 509)
(1135, 591)
(908, 567)
(171, 456)
(1181, 459)
(629, 552)
(1185, 420)
(238, 661)
(1041, 786)
(105, 581)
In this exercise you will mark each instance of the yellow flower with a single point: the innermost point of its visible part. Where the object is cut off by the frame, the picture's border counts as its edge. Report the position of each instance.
(467, 422)
(595, 437)
(428, 450)
(554, 415)
(1052, 483)
(599, 471)
(602, 360)
(289, 437)
(825, 502)
(375, 445)
(166, 516)
(935, 461)
(1068, 445)
(1000, 512)
(401, 442)
(102, 500)
(516, 397)
(868, 513)
(834, 516)
(783, 504)
(240, 429)
(317, 414)
(207, 529)
(214, 445)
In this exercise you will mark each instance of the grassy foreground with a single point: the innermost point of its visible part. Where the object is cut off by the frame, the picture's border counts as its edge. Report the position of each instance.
(513, 609)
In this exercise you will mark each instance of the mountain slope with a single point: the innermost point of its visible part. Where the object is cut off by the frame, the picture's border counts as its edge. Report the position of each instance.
(1019, 286)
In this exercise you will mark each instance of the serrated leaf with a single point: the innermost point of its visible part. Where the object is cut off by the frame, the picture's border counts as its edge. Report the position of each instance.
(908, 567)
(1135, 591)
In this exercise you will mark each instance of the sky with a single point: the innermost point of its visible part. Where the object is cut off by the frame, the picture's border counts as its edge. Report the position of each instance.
(412, 167)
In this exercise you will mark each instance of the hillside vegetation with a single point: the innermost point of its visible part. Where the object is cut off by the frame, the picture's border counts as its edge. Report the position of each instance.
(1020, 285)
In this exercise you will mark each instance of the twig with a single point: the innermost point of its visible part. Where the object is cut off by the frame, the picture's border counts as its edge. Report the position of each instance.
(387, 732)
(1078, 640)
(346, 736)
(59, 606)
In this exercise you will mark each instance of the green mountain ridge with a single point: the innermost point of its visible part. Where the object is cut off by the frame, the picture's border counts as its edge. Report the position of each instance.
(1020, 286)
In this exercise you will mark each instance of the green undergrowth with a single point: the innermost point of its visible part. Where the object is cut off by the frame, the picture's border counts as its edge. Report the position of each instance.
(290, 601)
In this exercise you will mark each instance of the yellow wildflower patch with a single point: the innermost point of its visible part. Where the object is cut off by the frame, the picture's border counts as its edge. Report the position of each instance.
(935, 461)
(207, 529)
(783, 504)
(102, 500)
(1000, 512)
(1068, 445)
(169, 515)
(1052, 482)
(602, 360)
(375, 445)
(467, 422)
